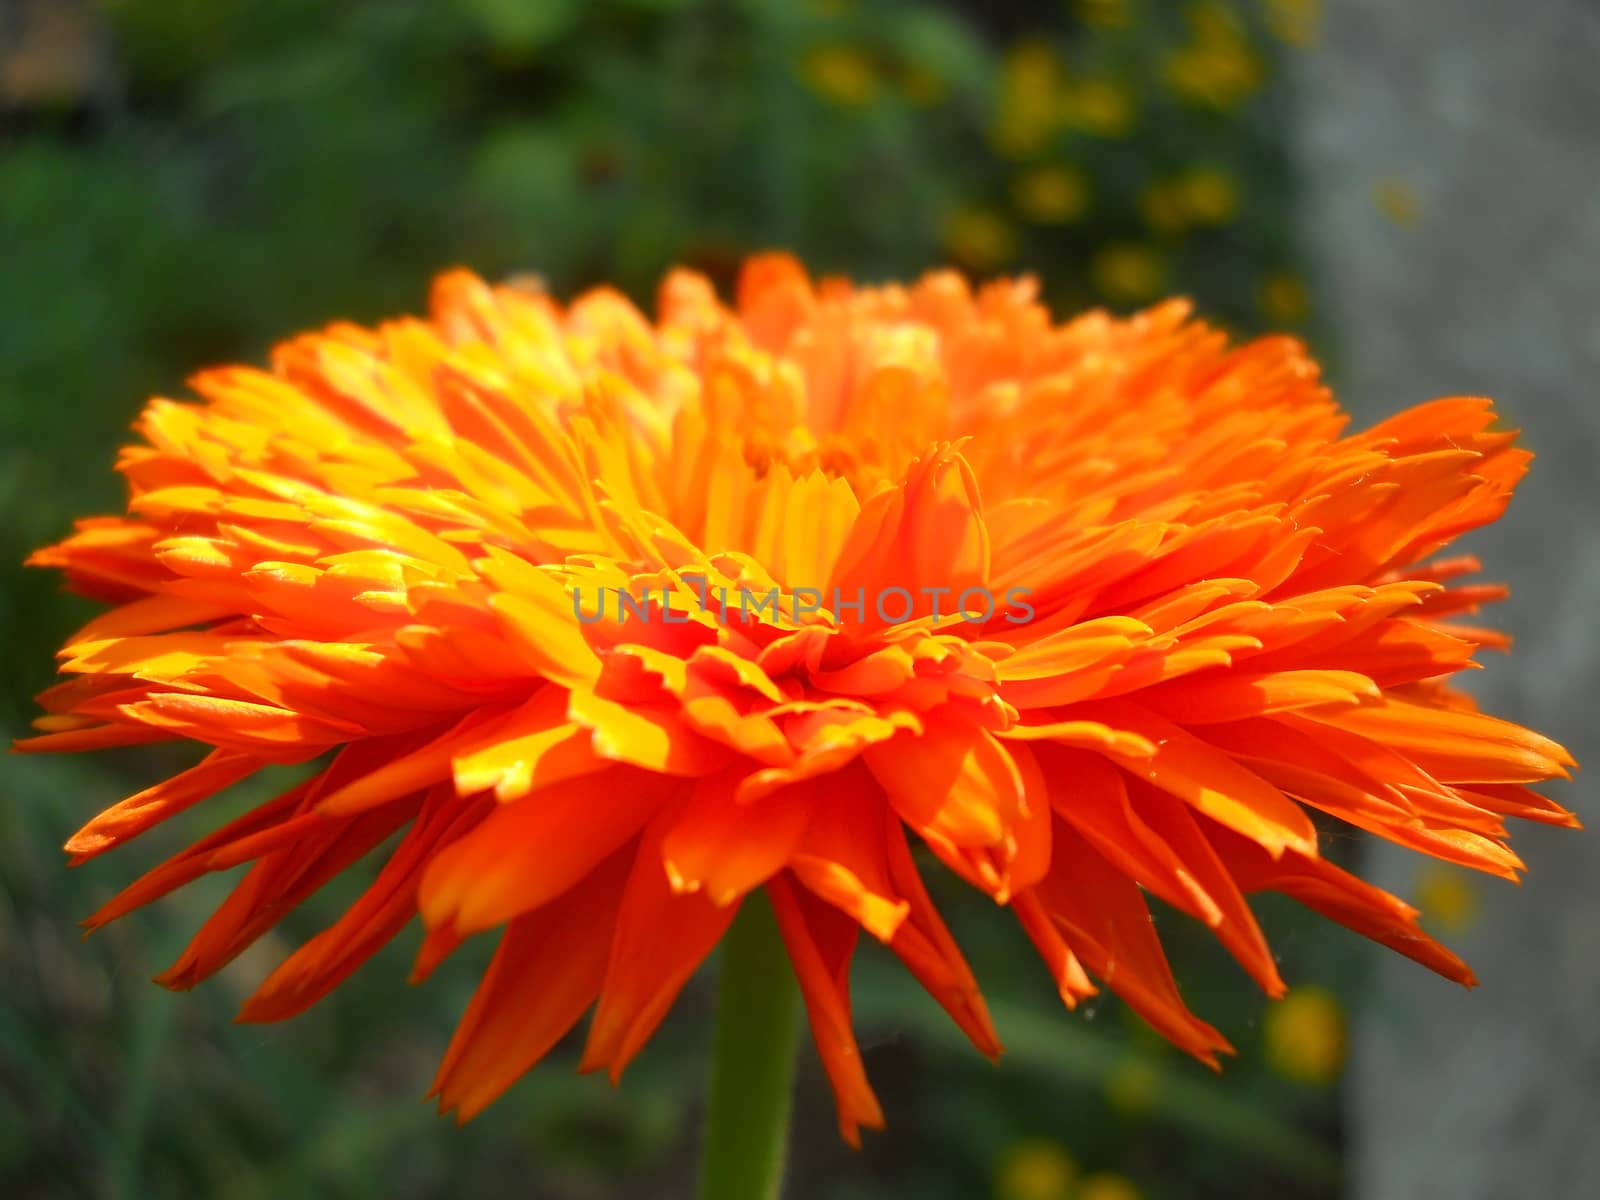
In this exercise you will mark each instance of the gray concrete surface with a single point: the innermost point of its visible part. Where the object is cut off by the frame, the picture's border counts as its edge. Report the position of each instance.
(1490, 112)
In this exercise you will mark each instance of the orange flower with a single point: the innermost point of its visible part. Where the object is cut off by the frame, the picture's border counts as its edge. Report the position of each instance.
(1184, 611)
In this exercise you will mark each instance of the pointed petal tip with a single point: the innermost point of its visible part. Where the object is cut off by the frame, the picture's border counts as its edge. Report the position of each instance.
(1219, 1046)
(470, 1108)
(1072, 994)
(982, 1033)
(441, 1107)
(438, 943)
(176, 978)
(590, 1062)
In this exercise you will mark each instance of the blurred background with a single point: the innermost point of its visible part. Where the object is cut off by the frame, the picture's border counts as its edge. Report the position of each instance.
(1411, 187)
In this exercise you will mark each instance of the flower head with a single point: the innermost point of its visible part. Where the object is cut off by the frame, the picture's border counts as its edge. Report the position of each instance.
(1092, 611)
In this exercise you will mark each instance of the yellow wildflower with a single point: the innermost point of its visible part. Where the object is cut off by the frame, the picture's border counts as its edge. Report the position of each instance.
(1051, 195)
(840, 74)
(1305, 1036)
(980, 238)
(1036, 1169)
(1128, 272)
(1131, 1088)
(1099, 106)
(1209, 196)
(1221, 77)
(1104, 14)
(1219, 67)
(1295, 22)
(1398, 200)
(1030, 87)
(1447, 897)
(1108, 1185)
(1284, 298)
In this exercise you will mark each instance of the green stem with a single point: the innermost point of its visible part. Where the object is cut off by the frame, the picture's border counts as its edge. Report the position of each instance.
(752, 1061)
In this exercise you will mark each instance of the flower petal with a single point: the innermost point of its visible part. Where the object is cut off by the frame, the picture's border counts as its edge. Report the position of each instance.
(820, 942)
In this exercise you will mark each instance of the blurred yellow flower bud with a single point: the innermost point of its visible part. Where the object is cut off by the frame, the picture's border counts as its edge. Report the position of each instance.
(1446, 896)
(840, 74)
(1398, 200)
(1108, 1185)
(1104, 14)
(1295, 22)
(1219, 67)
(1284, 298)
(1037, 1169)
(1208, 196)
(1127, 272)
(1099, 106)
(1051, 195)
(979, 238)
(1305, 1036)
(1222, 77)
(1030, 99)
(1132, 1087)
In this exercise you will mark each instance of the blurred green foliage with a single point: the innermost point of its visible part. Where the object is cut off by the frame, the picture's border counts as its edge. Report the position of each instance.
(184, 181)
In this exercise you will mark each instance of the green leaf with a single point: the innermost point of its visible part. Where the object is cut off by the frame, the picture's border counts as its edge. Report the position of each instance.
(524, 26)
